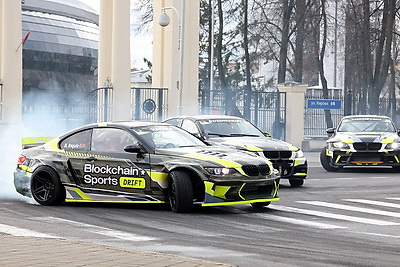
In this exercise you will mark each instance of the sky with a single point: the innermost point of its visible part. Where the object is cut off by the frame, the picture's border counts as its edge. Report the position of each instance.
(141, 45)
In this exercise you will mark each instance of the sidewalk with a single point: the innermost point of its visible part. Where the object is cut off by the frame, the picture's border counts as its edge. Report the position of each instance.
(34, 251)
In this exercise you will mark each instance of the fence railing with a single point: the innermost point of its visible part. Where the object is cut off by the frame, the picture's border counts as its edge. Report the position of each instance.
(267, 110)
(314, 119)
(65, 114)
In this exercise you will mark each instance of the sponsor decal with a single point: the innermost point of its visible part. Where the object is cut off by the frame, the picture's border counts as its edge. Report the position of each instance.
(110, 175)
(74, 146)
(92, 180)
(132, 182)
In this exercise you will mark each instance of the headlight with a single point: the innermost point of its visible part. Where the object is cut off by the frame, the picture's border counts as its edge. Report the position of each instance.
(298, 154)
(221, 171)
(340, 145)
(392, 146)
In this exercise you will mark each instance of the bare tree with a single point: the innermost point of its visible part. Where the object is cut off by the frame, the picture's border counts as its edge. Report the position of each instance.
(287, 6)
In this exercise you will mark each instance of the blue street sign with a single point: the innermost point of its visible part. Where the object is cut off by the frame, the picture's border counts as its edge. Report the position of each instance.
(324, 103)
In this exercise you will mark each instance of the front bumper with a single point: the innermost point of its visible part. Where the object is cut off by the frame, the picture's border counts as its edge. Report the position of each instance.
(291, 169)
(368, 158)
(220, 194)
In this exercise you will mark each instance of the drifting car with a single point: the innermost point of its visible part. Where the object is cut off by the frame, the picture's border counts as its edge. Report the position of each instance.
(141, 162)
(360, 140)
(238, 133)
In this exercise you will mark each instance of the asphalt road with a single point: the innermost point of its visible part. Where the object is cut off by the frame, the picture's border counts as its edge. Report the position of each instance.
(349, 218)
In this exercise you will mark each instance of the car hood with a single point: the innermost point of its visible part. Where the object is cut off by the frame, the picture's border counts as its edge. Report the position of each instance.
(365, 137)
(216, 155)
(253, 143)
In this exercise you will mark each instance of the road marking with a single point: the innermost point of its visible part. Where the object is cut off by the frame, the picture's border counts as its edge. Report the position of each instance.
(317, 225)
(332, 215)
(352, 208)
(394, 198)
(97, 229)
(373, 202)
(15, 231)
(349, 178)
(376, 234)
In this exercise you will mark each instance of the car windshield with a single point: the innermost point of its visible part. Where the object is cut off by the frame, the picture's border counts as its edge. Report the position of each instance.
(229, 127)
(160, 136)
(366, 125)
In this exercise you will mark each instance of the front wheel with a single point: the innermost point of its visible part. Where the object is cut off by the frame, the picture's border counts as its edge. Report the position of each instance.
(180, 192)
(396, 168)
(296, 182)
(46, 187)
(325, 162)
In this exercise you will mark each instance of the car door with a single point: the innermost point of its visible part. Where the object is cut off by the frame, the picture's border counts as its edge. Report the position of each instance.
(107, 168)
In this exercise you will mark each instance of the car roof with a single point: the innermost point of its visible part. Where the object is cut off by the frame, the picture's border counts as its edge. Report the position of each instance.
(366, 116)
(207, 117)
(119, 124)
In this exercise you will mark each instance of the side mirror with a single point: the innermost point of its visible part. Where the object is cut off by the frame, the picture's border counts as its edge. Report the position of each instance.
(398, 132)
(135, 148)
(330, 130)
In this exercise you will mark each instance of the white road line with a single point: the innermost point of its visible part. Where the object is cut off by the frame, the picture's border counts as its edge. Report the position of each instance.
(394, 198)
(15, 231)
(97, 229)
(317, 225)
(373, 202)
(376, 234)
(349, 178)
(333, 215)
(352, 208)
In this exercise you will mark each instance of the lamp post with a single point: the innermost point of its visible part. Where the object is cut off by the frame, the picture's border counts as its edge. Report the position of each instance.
(163, 21)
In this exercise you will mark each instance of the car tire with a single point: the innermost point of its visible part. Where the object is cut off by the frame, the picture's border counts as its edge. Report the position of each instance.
(46, 187)
(325, 162)
(296, 182)
(180, 192)
(396, 168)
(259, 205)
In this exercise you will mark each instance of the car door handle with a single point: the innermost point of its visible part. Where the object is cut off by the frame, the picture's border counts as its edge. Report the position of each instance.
(91, 158)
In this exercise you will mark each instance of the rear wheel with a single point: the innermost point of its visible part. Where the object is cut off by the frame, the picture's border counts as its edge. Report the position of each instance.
(296, 182)
(259, 205)
(46, 187)
(325, 162)
(180, 192)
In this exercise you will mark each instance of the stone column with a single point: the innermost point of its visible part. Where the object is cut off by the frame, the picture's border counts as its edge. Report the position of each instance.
(294, 112)
(166, 55)
(11, 62)
(121, 61)
(114, 55)
(11, 128)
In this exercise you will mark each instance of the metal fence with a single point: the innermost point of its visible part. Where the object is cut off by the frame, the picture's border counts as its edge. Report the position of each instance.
(267, 110)
(149, 103)
(314, 119)
(68, 113)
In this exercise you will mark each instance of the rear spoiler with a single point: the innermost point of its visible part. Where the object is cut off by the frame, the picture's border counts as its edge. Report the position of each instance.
(29, 142)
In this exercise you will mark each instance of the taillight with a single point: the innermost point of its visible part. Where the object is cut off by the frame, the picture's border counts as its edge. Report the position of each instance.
(21, 159)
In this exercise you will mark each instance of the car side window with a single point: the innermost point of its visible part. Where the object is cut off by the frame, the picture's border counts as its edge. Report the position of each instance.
(77, 142)
(111, 140)
(190, 126)
(175, 122)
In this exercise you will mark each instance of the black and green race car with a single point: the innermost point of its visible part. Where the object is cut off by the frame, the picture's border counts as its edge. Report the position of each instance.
(141, 162)
(362, 140)
(232, 131)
